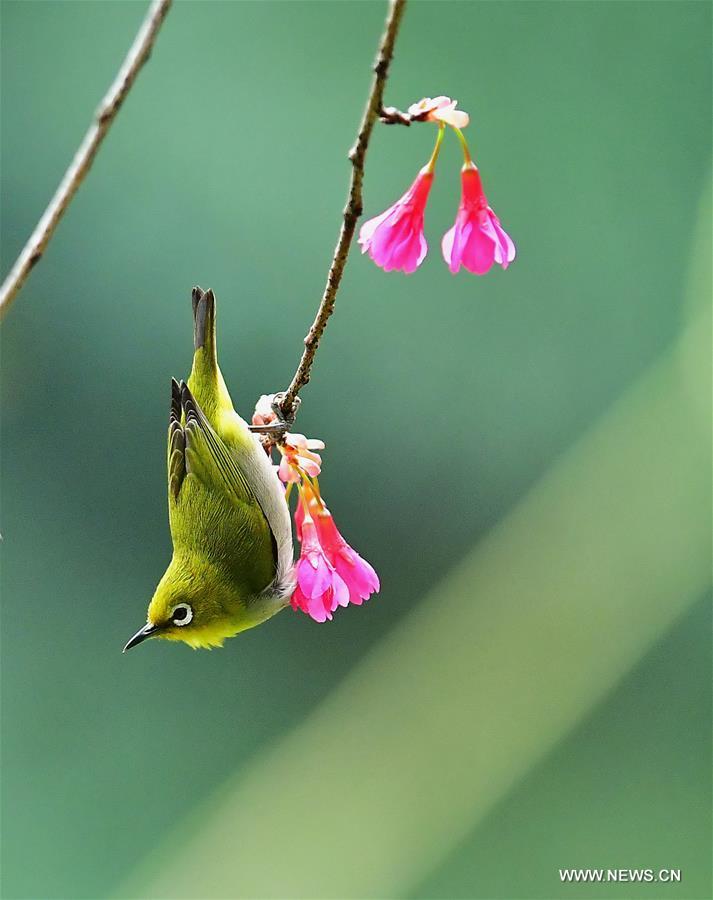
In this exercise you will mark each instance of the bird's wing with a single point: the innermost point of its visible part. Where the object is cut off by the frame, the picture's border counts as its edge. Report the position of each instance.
(176, 445)
(212, 509)
(195, 449)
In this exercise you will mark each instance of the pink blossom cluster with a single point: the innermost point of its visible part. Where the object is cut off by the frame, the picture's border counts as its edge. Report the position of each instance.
(329, 572)
(395, 239)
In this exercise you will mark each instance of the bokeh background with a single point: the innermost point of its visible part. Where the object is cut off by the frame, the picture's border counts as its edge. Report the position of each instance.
(524, 457)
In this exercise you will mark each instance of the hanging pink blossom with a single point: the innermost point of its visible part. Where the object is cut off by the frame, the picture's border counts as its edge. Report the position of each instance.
(320, 588)
(394, 239)
(357, 573)
(329, 573)
(334, 574)
(477, 239)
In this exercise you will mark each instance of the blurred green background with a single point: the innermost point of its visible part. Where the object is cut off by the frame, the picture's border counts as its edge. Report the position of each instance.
(524, 457)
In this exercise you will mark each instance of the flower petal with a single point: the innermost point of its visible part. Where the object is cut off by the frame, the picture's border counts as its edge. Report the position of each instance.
(426, 105)
(505, 249)
(450, 115)
(313, 576)
(311, 467)
(285, 471)
(340, 591)
(479, 251)
(447, 250)
(366, 232)
(317, 610)
(359, 575)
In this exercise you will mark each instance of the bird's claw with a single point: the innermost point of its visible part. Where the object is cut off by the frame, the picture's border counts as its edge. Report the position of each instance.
(276, 431)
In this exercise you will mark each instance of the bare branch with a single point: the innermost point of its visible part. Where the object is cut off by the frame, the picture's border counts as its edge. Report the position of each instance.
(374, 109)
(389, 115)
(106, 113)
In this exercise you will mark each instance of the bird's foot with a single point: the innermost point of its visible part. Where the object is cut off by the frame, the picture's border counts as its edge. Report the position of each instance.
(277, 427)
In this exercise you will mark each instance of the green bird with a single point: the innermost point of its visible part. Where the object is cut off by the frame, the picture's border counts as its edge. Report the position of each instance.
(232, 565)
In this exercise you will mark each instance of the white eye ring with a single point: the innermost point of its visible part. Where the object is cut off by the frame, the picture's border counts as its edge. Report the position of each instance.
(186, 619)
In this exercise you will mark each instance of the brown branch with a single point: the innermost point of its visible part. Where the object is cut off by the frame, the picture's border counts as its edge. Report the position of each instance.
(106, 113)
(389, 115)
(374, 109)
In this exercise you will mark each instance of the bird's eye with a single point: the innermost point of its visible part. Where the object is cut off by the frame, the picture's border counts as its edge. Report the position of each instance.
(182, 614)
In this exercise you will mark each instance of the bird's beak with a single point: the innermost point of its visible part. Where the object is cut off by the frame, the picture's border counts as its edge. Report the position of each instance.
(149, 630)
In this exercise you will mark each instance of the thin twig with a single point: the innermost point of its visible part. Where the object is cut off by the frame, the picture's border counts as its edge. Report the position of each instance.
(106, 113)
(389, 115)
(374, 109)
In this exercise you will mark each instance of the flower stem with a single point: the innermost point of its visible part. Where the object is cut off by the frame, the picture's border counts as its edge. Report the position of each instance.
(310, 486)
(431, 165)
(464, 146)
(318, 495)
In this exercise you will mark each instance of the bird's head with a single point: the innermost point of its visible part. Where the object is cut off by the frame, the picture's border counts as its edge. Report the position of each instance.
(185, 610)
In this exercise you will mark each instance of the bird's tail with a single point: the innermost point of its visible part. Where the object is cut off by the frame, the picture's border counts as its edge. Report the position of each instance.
(204, 322)
(206, 380)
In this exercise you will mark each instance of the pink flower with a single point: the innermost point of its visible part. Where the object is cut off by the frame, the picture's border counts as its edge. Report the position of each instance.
(297, 453)
(358, 575)
(320, 589)
(438, 109)
(394, 240)
(477, 239)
